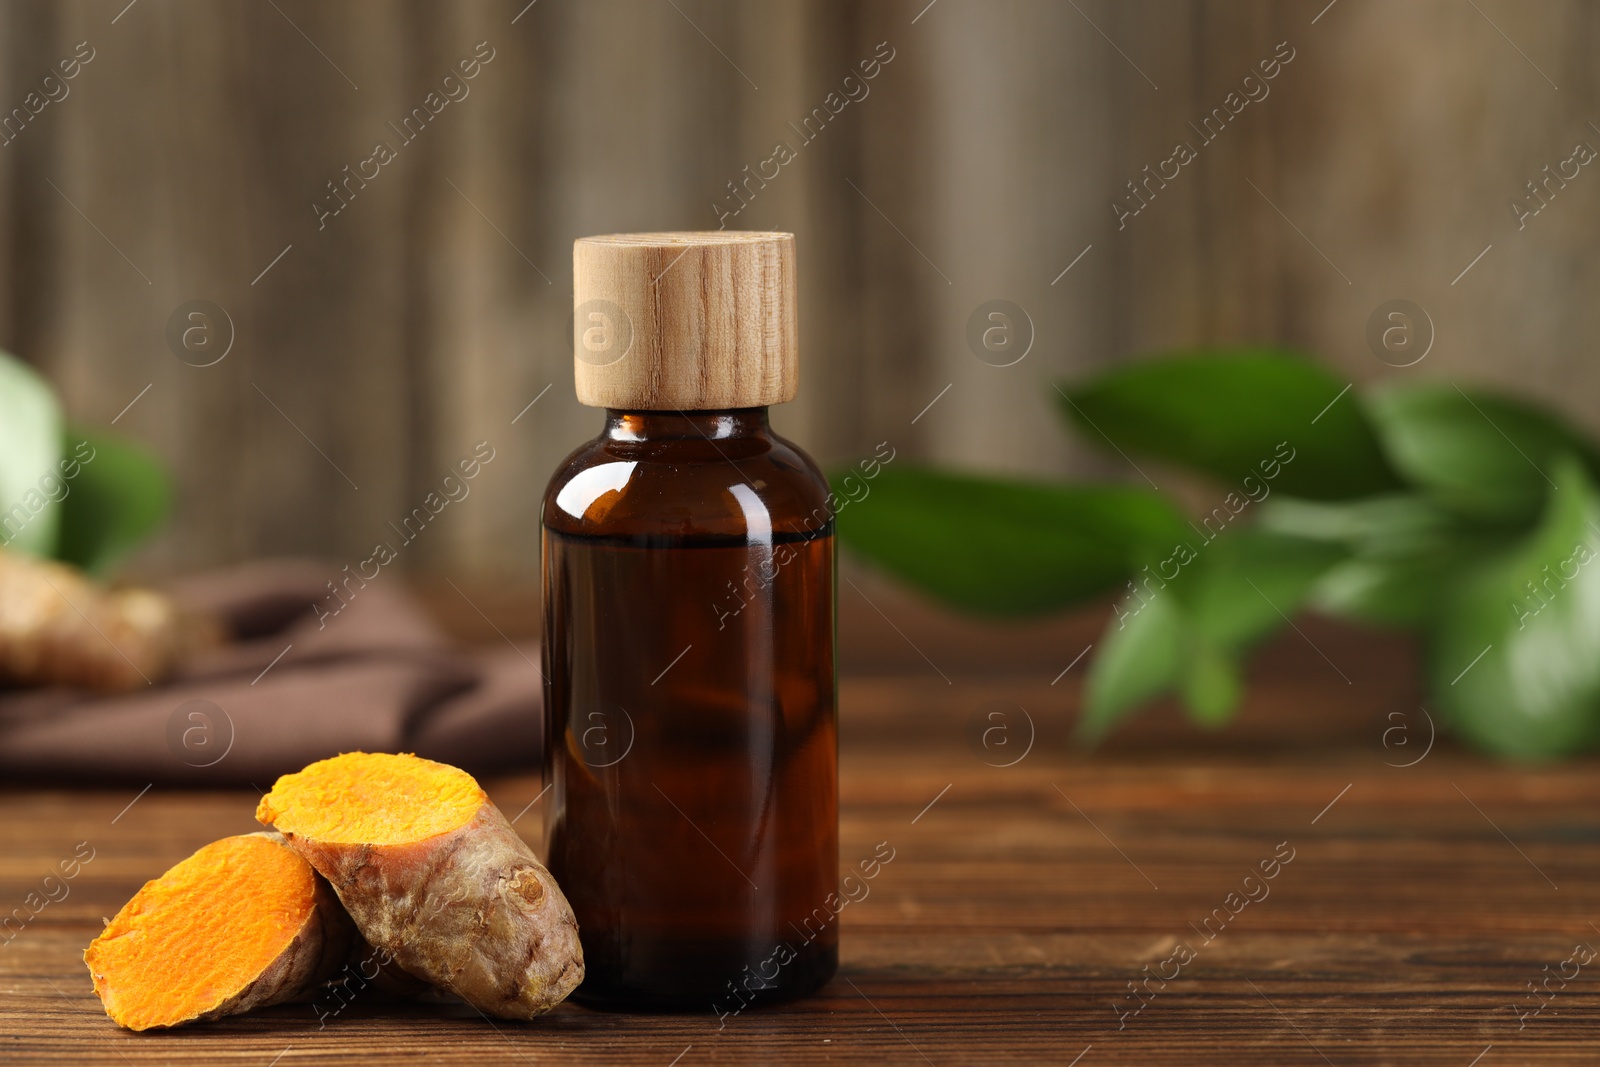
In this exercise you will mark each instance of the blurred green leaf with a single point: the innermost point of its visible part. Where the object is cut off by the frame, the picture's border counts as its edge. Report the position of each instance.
(1005, 547)
(1486, 455)
(118, 497)
(1513, 660)
(1189, 632)
(1211, 685)
(1238, 413)
(30, 450)
(1405, 554)
(1139, 658)
(1247, 581)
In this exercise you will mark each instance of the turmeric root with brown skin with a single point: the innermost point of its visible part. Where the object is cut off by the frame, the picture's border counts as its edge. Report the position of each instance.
(243, 923)
(434, 875)
(59, 628)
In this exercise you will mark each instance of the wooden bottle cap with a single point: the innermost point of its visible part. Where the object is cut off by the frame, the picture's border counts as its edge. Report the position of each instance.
(685, 321)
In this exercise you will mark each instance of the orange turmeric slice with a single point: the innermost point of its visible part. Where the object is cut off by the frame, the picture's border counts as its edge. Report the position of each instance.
(434, 876)
(362, 798)
(243, 923)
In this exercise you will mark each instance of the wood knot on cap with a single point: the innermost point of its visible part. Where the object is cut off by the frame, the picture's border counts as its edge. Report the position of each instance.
(684, 321)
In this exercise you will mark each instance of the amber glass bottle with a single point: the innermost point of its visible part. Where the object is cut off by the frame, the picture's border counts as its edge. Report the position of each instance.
(689, 649)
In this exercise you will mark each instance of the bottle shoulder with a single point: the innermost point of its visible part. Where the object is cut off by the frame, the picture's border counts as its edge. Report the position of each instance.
(740, 487)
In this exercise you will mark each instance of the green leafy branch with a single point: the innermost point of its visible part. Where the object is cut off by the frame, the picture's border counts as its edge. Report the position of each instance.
(81, 496)
(1467, 516)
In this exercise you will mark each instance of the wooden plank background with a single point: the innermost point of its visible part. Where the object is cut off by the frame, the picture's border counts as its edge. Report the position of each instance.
(424, 317)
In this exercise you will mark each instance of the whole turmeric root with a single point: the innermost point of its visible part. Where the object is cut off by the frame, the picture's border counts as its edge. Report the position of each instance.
(243, 923)
(59, 628)
(434, 876)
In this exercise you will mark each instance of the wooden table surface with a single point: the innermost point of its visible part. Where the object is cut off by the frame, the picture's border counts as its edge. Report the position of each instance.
(1411, 907)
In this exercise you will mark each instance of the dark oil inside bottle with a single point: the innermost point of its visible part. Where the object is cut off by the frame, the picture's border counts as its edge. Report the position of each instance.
(691, 738)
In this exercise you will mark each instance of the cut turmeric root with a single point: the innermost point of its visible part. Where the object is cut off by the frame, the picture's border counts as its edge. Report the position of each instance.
(59, 628)
(434, 875)
(243, 923)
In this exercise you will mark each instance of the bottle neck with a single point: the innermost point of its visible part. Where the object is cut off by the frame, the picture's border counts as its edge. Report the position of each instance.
(690, 425)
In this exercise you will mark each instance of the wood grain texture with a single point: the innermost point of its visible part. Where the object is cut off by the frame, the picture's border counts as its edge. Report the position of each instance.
(1419, 902)
(699, 321)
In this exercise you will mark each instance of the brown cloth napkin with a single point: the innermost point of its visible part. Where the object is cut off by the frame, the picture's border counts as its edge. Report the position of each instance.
(289, 689)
